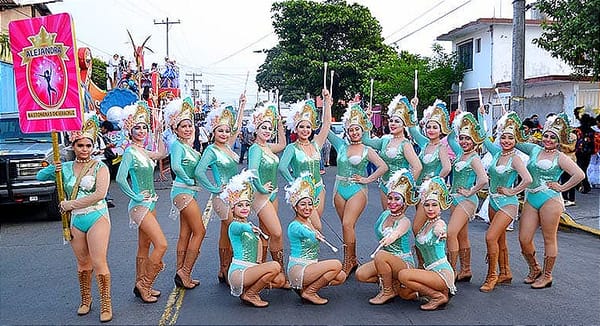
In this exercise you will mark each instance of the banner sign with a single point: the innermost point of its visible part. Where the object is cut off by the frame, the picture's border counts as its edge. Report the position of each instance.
(46, 73)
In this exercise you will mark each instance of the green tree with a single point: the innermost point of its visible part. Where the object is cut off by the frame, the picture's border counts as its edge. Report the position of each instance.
(436, 75)
(99, 73)
(573, 34)
(4, 48)
(346, 36)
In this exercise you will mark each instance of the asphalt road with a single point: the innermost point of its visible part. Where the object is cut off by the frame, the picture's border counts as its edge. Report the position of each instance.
(38, 279)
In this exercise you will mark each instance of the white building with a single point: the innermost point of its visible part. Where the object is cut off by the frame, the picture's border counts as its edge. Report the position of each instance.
(484, 46)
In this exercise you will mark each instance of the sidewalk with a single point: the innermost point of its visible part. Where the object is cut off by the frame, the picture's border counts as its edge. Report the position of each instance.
(586, 212)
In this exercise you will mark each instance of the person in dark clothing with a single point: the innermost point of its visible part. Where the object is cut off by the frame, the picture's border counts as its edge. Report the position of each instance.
(585, 148)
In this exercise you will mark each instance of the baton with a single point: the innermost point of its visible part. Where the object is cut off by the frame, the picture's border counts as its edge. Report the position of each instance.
(376, 250)
(262, 234)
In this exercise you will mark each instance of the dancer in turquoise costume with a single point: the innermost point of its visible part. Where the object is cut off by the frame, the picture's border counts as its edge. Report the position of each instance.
(262, 159)
(350, 190)
(543, 201)
(225, 124)
(433, 155)
(504, 205)
(436, 281)
(304, 155)
(86, 182)
(306, 273)
(179, 115)
(396, 150)
(393, 230)
(138, 163)
(468, 178)
(247, 274)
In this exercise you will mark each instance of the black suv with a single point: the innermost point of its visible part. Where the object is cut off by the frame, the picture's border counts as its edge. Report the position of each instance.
(21, 157)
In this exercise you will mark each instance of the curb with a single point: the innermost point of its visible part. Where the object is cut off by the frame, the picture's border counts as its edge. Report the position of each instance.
(566, 220)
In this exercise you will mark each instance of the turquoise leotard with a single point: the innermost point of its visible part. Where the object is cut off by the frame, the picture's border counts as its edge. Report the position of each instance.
(140, 167)
(400, 247)
(347, 167)
(81, 219)
(433, 251)
(266, 165)
(463, 174)
(392, 156)
(500, 176)
(183, 163)
(223, 168)
(542, 172)
(294, 157)
(303, 243)
(432, 165)
(244, 243)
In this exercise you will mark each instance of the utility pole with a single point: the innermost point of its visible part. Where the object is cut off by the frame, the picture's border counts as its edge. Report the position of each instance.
(195, 93)
(167, 23)
(517, 84)
(207, 89)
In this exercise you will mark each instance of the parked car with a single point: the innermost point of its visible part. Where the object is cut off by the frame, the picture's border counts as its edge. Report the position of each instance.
(21, 157)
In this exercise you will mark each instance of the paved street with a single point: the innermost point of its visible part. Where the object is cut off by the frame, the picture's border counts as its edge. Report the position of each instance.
(38, 280)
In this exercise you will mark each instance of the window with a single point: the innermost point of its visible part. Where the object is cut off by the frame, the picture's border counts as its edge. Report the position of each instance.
(465, 54)
(478, 45)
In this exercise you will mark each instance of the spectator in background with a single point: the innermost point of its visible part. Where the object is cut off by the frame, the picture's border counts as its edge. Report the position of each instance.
(584, 149)
(569, 150)
(203, 136)
(536, 122)
(246, 140)
(325, 155)
(108, 155)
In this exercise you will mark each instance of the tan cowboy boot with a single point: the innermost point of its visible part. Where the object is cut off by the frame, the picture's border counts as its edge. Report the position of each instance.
(265, 250)
(545, 280)
(105, 299)
(534, 268)
(139, 271)
(85, 288)
(505, 276)
(278, 257)
(437, 299)
(464, 275)
(251, 294)
(350, 261)
(386, 293)
(403, 292)
(144, 286)
(452, 259)
(183, 276)
(225, 257)
(180, 259)
(492, 277)
(310, 293)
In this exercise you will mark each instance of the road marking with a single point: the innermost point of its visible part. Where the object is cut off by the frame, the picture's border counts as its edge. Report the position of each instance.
(175, 301)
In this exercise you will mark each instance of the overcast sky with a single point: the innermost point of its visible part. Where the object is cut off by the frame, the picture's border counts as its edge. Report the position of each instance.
(218, 38)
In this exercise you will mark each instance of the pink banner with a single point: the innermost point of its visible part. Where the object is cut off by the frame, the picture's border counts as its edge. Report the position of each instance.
(46, 73)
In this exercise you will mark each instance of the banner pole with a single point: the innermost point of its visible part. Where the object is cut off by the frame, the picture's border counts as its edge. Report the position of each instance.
(59, 189)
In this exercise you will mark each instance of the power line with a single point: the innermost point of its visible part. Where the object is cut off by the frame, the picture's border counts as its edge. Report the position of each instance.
(433, 21)
(416, 18)
(242, 49)
(167, 23)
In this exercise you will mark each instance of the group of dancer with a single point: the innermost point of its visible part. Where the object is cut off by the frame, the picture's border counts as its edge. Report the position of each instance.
(405, 179)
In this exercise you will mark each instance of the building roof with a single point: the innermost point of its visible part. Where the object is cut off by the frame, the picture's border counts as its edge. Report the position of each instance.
(479, 24)
(549, 79)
